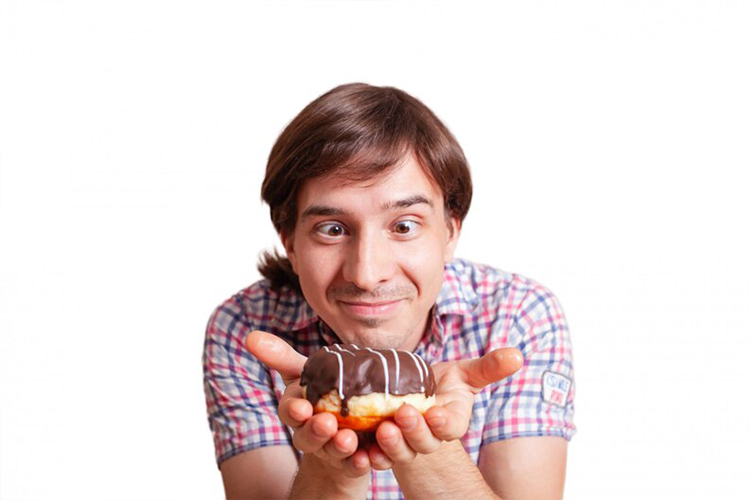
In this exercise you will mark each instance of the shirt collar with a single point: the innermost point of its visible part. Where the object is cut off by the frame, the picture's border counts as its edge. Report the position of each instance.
(292, 305)
(457, 295)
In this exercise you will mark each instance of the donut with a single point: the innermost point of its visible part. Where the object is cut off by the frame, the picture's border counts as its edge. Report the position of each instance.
(363, 387)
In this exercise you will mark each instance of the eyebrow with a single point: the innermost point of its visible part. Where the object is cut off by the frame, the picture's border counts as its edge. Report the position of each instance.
(407, 202)
(322, 211)
(328, 211)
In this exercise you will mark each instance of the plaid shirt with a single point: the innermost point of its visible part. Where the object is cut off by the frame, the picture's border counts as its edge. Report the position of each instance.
(479, 309)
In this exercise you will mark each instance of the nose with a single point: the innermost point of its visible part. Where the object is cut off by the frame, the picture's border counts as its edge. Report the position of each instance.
(370, 261)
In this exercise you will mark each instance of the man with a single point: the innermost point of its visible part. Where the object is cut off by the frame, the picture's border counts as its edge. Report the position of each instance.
(368, 190)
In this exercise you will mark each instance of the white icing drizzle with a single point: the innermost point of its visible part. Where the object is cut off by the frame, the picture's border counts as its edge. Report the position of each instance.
(385, 369)
(341, 349)
(424, 363)
(341, 376)
(419, 368)
(341, 371)
(398, 366)
(355, 346)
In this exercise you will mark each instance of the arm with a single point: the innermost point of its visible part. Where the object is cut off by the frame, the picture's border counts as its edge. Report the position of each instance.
(425, 453)
(525, 468)
(332, 465)
(542, 392)
(244, 413)
(316, 480)
(514, 469)
(448, 473)
(241, 405)
(260, 473)
(517, 468)
(271, 473)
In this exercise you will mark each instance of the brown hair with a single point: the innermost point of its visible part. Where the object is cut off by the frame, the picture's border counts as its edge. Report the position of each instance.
(357, 131)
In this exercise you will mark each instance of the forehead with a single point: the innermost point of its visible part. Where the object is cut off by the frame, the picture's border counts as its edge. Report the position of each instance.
(404, 181)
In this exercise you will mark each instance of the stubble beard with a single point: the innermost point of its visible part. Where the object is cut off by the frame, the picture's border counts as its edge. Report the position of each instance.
(374, 332)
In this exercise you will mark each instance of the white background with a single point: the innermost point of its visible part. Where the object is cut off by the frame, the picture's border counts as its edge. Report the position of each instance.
(609, 143)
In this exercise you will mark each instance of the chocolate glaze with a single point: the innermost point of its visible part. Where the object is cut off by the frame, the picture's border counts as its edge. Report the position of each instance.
(356, 371)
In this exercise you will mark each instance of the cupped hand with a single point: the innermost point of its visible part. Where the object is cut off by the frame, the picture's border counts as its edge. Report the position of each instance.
(398, 441)
(412, 433)
(316, 434)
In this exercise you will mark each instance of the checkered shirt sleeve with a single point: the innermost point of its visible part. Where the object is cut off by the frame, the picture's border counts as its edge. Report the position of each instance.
(538, 399)
(241, 397)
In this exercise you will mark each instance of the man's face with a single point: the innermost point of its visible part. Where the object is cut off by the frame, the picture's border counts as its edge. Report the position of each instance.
(370, 254)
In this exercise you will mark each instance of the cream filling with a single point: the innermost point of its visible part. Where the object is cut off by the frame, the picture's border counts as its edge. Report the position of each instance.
(375, 404)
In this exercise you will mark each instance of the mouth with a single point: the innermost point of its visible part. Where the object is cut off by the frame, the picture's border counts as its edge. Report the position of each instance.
(371, 309)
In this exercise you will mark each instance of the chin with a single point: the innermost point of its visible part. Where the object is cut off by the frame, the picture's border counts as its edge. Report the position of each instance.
(375, 338)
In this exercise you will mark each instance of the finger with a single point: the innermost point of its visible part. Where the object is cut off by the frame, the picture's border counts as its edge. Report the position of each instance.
(448, 422)
(415, 430)
(294, 410)
(276, 354)
(357, 465)
(342, 445)
(316, 432)
(378, 459)
(493, 366)
(391, 441)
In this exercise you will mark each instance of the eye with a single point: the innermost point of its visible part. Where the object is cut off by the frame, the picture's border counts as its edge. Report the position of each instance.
(405, 227)
(331, 229)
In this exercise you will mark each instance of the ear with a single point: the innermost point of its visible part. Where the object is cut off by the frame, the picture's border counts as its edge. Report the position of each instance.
(454, 231)
(288, 242)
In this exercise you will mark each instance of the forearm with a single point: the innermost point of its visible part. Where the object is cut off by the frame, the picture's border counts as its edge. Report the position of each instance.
(315, 480)
(448, 473)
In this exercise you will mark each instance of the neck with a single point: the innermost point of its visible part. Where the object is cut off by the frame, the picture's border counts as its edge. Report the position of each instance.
(413, 341)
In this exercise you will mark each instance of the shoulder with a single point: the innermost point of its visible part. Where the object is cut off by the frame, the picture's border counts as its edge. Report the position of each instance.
(482, 307)
(488, 287)
(260, 307)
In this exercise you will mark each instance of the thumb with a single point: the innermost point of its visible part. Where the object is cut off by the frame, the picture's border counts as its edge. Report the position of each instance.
(276, 354)
(493, 366)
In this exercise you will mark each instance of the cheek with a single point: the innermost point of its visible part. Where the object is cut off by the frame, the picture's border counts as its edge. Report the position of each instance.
(316, 270)
(424, 266)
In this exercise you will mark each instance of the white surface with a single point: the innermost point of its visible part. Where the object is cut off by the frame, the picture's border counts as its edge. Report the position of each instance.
(609, 147)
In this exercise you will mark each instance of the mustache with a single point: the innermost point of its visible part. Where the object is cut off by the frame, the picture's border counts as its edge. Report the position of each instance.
(383, 294)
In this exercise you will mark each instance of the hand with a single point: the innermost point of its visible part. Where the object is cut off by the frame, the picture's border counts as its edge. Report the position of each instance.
(457, 383)
(316, 434)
